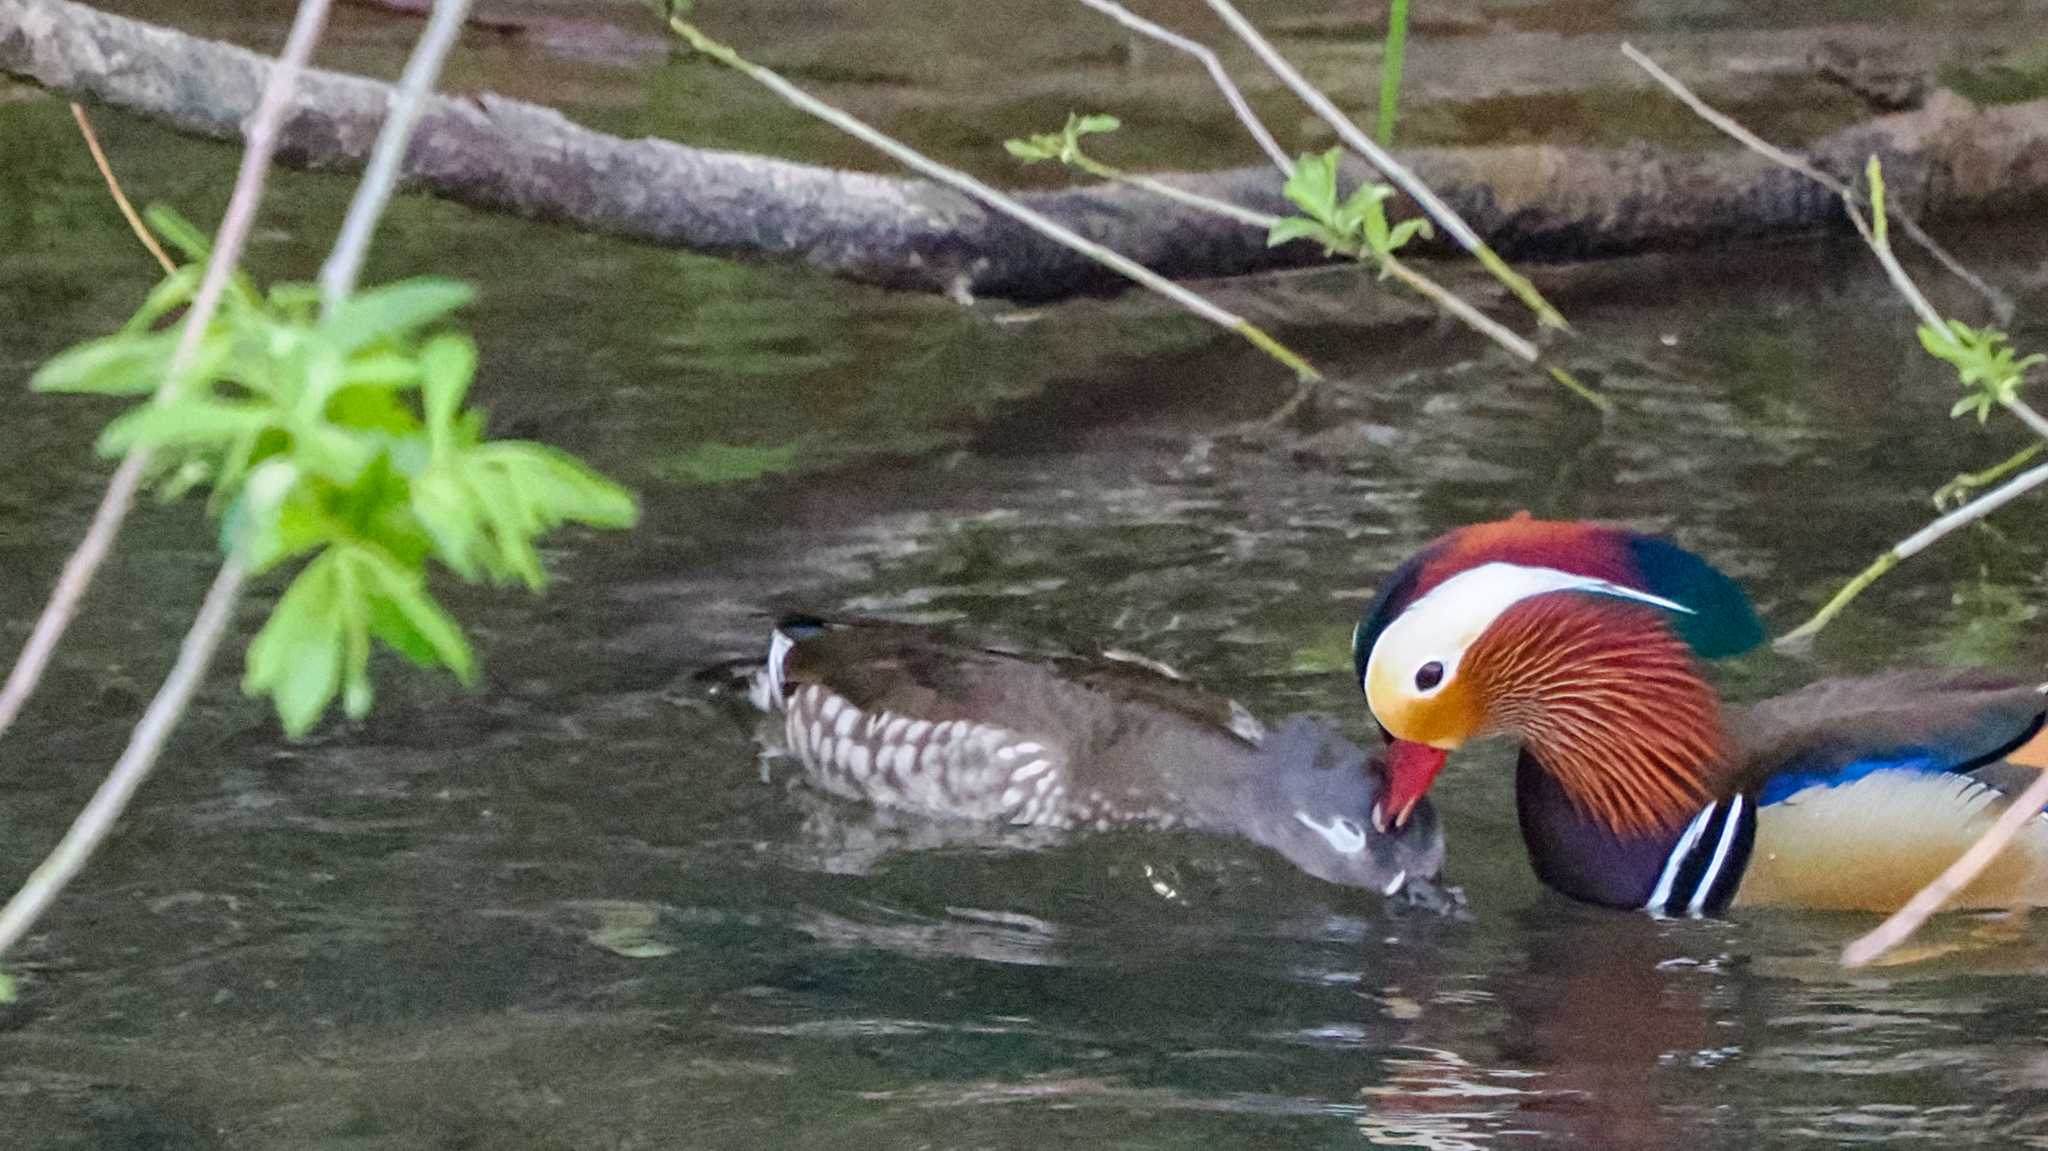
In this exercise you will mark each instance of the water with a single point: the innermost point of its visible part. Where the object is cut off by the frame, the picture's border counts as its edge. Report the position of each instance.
(563, 910)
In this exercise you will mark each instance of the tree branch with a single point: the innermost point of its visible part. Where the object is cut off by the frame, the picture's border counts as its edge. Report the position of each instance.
(1529, 203)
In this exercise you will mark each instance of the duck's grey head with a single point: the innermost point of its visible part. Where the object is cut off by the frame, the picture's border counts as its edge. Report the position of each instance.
(1316, 795)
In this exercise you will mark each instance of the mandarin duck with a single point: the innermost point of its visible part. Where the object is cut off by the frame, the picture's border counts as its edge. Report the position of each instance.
(897, 716)
(1636, 787)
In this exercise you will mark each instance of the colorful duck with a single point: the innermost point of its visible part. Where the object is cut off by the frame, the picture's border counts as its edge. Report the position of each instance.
(902, 717)
(1636, 786)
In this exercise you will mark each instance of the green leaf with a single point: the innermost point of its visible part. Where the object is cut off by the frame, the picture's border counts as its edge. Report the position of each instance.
(120, 365)
(1407, 230)
(513, 533)
(1313, 186)
(296, 658)
(1290, 228)
(1033, 149)
(335, 454)
(356, 692)
(6, 988)
(190, 421)
(177, 232)
(393, 310)
(443, 504)
(275, 518)
(561, 487)
(405, 591)
(447, 365)
(381, 370)
(1093, 124)
(172, 292)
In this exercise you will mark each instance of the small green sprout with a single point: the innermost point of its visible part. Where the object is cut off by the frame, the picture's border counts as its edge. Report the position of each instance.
(1064, 145)
(1985, 363)
(1355, 226)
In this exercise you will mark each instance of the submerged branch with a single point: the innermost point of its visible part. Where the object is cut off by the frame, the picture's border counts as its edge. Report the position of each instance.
(1528, 203)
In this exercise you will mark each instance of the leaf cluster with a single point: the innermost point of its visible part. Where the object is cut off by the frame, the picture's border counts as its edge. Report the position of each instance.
(1355, 226)
(343, 440)
(1985, 362)
(1064, 145)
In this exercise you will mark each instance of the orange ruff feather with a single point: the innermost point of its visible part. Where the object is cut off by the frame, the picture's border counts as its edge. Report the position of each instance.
(1607, 699)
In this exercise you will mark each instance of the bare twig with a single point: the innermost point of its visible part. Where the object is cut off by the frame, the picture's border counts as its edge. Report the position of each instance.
(1202, 52)
(1445, 216)
(345, 262)
(120, 495)
(97, 820)
(1958, 490)
(1908, 919)
(1002, 202)
(1852, 199)
(135, 224)
(1913, 545)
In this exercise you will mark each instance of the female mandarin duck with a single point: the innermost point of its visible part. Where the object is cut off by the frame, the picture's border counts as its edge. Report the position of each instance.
(900, 717)
(1636, 787)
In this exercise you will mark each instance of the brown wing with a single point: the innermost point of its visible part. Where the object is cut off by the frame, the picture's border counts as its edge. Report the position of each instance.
(1963, 720)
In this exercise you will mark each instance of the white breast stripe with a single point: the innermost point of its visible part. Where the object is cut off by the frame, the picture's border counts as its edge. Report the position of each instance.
(1676, 859)
(1729, 831)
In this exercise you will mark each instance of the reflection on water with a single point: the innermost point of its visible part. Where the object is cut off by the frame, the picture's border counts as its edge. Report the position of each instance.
(568, 910)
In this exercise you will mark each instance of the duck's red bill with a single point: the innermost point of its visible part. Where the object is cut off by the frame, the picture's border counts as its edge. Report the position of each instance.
(1411, 768)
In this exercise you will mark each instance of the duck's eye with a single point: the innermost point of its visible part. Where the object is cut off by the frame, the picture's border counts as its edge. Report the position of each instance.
(1429, 675)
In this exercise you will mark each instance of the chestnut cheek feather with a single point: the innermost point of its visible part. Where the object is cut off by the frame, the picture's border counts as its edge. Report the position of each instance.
(1607, 699)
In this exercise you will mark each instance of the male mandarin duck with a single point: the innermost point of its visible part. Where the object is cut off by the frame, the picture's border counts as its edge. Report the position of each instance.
(899, 717)
(1636, 787)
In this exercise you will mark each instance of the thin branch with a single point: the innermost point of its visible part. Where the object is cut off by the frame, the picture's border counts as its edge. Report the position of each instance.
(135, 224)
(345, 263)
(97, 820)
(1906, 920)
(1445, 216)
(1002, 202)
(120, 495)
(1422, 285)
(1202, 52)
(1958, 489)
(1913, 545)
(1852, 199)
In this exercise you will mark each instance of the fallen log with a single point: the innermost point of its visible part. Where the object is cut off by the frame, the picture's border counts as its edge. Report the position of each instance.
(1948, 158)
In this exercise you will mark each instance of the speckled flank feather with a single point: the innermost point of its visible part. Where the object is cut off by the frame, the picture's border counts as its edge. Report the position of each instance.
(1870, 844)
(957, 768)
(900, 717)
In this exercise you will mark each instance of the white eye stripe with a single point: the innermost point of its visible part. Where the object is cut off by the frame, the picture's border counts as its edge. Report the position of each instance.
(1443, 622)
